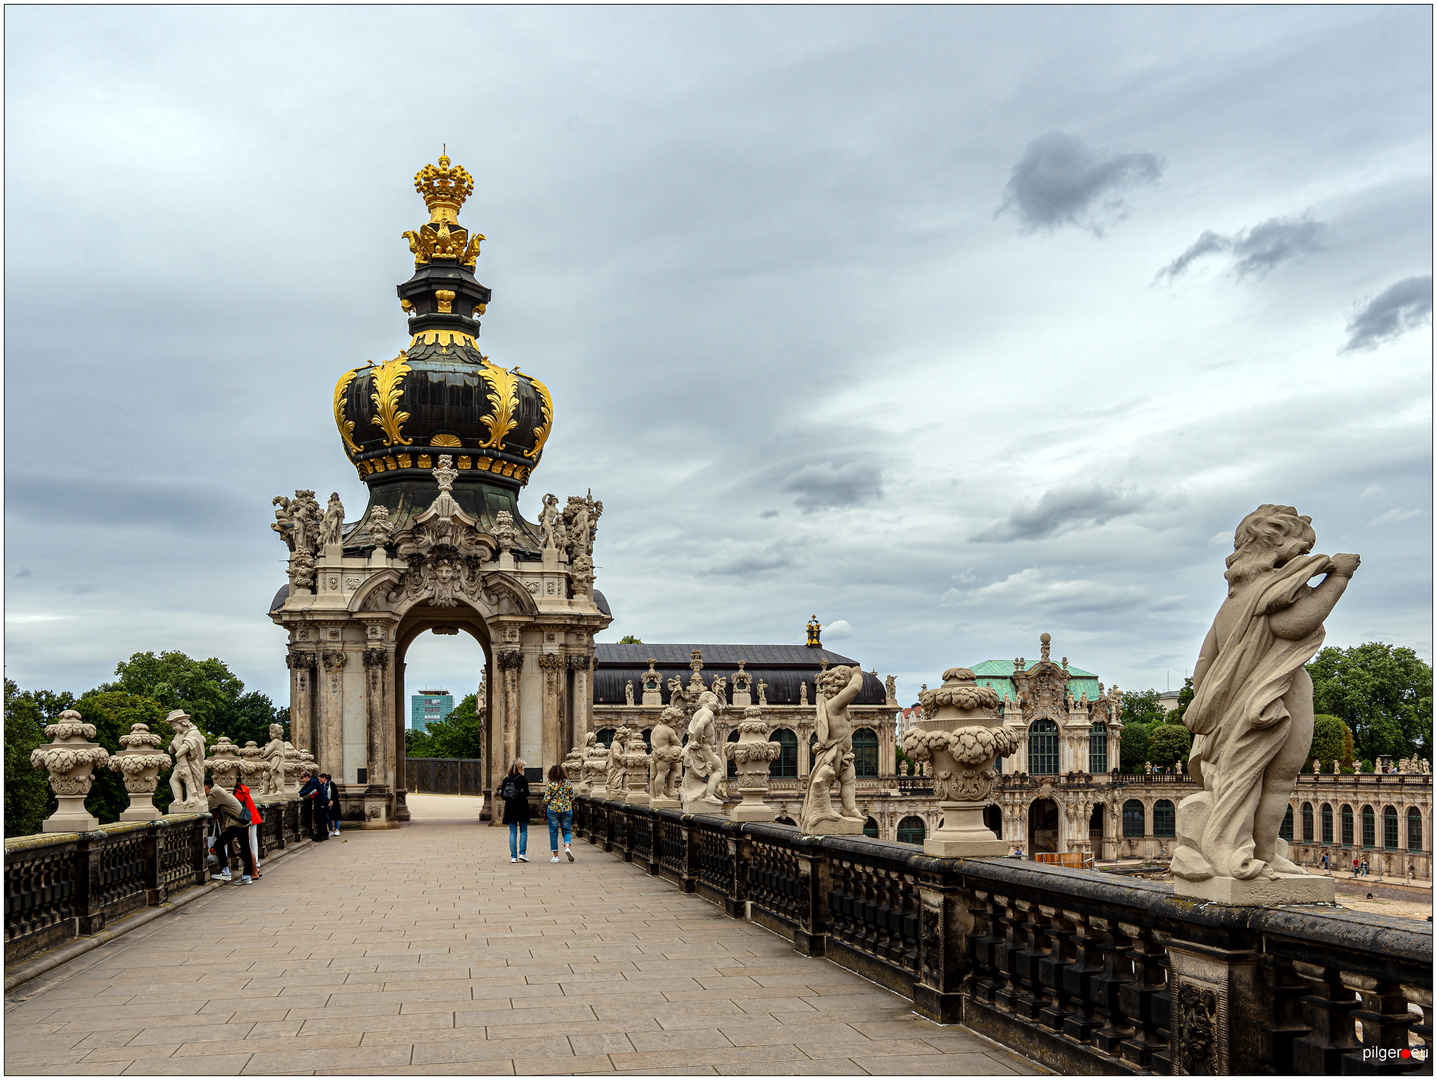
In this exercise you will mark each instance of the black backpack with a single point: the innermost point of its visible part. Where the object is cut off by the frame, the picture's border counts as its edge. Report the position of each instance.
(510, 790)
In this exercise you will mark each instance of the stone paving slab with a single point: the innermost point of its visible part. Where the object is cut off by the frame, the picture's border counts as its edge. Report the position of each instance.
(423, 950)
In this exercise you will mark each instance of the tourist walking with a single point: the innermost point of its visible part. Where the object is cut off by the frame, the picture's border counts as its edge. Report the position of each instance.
(559, 809)
(233, 819)
(515, 793)
(246, 800)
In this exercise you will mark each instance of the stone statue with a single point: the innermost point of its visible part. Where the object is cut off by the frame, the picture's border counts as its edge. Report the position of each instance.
(833, 755)
(379, 527)
(703, 768)
(666, 755)
(187, 779)
(596, 767)
(505, 532)
(762, 692)
(1251, 714)
(720, 689)
(803, 693)
(615, 766)
(274, 762)
(890, 687)
(581, 521)
(629, 692)
(333, 524)
(551, 521)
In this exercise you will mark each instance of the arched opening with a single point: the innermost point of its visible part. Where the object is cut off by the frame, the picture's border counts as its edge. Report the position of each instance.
(1346, 815)
(1042, 826)
(784, 819)
(1097, 827)
(1369, 827)
(1165, 818)
(812, 743)
(1098, 748)
(1043, 748)
(648, 740)
(870, 828)
(605, 737)
(865, 752)
(1414, 829)
(1327, 823)
(1135, 820)
(732, 768)
(1285, 829)
(1307, 831)
(786, 764)
(993, 819)
(911, 830)
(1390, 830)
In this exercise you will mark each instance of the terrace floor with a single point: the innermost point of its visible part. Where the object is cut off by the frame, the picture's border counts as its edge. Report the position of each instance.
(424, 950)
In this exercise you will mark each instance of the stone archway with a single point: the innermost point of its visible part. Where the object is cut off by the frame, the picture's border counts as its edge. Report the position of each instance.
(1042, 826)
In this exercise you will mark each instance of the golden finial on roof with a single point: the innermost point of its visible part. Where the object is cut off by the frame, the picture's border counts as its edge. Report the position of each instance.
(444, 189)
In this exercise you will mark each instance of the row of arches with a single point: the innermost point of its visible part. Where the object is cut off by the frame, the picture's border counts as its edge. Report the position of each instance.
(1345, 831)
(865, 750)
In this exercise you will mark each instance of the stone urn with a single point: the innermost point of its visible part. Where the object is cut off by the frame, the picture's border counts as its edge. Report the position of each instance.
(595, 775)
(636, 769)
(961, 736)
(70, 759)
(139, 764)
(573, 764)
(751, 757)
(252, 765)
(308, 764)
(223, 763)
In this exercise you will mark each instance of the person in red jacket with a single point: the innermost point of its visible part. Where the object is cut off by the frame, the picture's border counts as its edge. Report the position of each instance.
(242, 793)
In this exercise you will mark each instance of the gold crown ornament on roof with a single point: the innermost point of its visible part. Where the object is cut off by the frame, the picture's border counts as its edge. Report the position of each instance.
(444, 189)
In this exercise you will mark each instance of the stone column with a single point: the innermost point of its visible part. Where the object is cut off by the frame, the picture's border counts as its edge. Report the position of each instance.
(330, 752)
(401, 755)
(510, 663)
(582, 712)
(553, 666)
(378, 760)
(301, 699)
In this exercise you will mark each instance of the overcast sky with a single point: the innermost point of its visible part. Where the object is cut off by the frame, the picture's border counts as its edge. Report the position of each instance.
(949, 325)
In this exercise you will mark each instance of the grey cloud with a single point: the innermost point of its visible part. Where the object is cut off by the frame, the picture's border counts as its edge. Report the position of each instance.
(1258, 250)
(769, 514)
(179, 505)
(825, 485)
(1391, 313)
(1061, 509)
(1060, 181)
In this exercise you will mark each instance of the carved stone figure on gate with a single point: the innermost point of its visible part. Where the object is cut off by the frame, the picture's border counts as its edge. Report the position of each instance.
(666, 755)
(187, 778)
(833, 757)
(333, 523)
(1252, 714)
(703, 768)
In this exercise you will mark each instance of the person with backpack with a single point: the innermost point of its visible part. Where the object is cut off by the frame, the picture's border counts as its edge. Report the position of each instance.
(318, 819)
(331, 792)
(515, 793)
(246, 799)
(234, 821)
(559, 809)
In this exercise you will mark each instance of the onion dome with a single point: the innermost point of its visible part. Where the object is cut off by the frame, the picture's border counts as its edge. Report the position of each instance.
(441, 395)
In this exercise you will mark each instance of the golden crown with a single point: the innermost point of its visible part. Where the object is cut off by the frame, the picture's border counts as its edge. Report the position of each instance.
(444, 189)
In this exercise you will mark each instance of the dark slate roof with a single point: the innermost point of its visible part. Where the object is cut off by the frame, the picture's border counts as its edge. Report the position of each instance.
(783, 667)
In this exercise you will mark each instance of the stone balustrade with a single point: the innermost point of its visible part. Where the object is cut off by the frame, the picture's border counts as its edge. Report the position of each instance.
(1079, 970)
(60, 886)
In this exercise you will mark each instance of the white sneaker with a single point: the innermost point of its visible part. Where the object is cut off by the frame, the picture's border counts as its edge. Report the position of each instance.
(554, 859)
(513, 860)
(245, 879)
(523, 858)
(568, 853)
(223, 875)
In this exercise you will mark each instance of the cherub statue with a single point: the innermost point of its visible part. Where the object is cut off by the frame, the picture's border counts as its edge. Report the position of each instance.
(629, 692)
(274, 762)
(1251, 713)
(833, 751)
(666, 753)
(703, 768)
(762, 692)
(187, 779)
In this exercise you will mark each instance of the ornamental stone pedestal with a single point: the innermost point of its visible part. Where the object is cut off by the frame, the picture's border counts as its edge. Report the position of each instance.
(139, 763)
(70, 759)
(962, 735)
(293, 762)
(636, 770)
(751, 756)
(593, 778)
(252, 765)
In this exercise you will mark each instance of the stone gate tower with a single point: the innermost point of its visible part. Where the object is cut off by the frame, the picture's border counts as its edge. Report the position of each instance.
(444, 439)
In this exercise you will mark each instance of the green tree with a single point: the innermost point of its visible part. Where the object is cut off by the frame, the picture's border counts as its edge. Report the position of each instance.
(28, 799)
(629, 639)
(1134, 747)
(1331, 740)
(114, 712)
(1142, 707)
(458, 735)
(1185, 698)
(206, 689)
(1169, 744)
(1382, 692)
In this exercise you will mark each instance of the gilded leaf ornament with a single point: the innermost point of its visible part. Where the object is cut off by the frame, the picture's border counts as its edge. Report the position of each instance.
(546, 421)
(346, 427)
(503, 401)
(387, 392)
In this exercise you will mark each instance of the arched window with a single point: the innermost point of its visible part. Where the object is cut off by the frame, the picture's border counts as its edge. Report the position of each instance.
(911, 830)
(993, 819)
(812, 744)
(865, 752)
(1135, 820)
(870, 828)
(1346, 815)
(1285, 829)
(1389, 828)
(1307, 823)
(1414, 829)
(1043, 748)
(784, 820)
(786, 764)
(605, 736)
(1165, 822)
(1098, 748)
(732, 768)
(648, 740)
(1327, 823)
(1369, 827)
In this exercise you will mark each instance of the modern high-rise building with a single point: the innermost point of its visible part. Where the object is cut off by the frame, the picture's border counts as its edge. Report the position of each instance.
(428, 706)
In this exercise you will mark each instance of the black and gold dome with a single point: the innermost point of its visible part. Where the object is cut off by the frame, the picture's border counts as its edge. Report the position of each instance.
(441, 395)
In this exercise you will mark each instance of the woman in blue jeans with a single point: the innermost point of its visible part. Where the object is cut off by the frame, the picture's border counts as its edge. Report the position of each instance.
(515, 793)
(559, 802)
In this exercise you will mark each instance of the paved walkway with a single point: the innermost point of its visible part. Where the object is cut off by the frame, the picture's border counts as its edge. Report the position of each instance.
(423, 950)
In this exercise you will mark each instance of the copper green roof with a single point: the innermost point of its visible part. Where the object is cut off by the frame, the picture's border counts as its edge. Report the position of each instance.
(999, 675)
